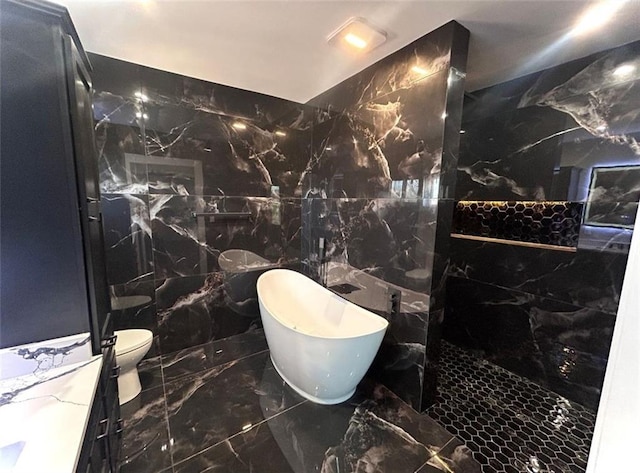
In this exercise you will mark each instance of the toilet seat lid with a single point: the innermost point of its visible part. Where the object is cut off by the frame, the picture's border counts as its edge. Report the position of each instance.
(132, 339)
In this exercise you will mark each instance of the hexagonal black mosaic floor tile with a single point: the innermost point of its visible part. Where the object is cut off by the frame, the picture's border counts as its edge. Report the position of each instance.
(511, 424)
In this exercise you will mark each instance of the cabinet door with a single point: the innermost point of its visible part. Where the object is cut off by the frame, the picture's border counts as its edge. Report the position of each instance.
(109, 394)
(79, 90)
(94, 456)
(43, 289)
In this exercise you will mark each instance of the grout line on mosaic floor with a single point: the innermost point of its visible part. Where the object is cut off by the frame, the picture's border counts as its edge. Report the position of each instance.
(509, 423)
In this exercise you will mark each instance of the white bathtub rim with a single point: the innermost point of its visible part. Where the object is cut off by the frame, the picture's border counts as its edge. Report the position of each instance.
(374, 317)
(310, 397)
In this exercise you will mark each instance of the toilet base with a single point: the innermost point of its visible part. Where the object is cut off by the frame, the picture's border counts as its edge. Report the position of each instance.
(128, 385)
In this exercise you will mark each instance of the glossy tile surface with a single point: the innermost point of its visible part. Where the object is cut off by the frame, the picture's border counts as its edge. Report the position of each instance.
(239, 416)
(379, 189)
(562, 138)
(556, 345)
(507, 422)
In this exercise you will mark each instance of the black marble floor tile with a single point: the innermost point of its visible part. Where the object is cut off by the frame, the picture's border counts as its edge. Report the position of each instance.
(150, 372)
(213, 405)
(455, 456)
(196, 359)
(226, 409)
(510, 423)
(146, 443)
(254, 450)
(373, 431)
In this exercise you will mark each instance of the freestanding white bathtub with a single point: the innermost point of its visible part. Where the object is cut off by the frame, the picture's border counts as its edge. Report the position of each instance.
(321, 344)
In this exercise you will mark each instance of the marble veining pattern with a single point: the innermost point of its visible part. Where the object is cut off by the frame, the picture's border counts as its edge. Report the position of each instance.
(559, 346)
(27, 366)
(538, 137)
(569, 135)
(223, 407)
(45, 385)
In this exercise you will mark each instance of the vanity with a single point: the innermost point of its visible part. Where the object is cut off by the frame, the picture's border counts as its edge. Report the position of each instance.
(59, 409)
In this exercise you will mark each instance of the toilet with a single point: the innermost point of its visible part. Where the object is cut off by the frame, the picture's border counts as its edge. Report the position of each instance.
(131, 346)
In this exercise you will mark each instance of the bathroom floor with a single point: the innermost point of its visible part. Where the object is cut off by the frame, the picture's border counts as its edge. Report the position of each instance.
(510, 423)
(221, 407)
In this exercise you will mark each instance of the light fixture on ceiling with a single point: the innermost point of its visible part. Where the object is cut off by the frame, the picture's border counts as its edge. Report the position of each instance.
(596, 16)
(357, 34)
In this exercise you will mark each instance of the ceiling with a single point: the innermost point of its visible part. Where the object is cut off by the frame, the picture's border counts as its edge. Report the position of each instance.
(279, 47)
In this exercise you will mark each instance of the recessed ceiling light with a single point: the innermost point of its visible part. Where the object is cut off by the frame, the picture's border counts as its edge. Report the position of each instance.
(355, 41)
(357, 34)
(280, 133)
(596, 16)
(624, 71)
(239, 126)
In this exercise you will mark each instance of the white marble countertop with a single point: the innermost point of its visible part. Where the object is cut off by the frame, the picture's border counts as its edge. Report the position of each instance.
(46, 392)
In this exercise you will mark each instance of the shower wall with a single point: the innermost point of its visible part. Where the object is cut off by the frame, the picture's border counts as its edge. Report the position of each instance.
(368, 165)
(379, 195)
(548, 185)
(171, 146)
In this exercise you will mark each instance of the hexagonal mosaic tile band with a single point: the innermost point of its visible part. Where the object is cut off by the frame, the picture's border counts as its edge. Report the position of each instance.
(550, 223)
(510, 424)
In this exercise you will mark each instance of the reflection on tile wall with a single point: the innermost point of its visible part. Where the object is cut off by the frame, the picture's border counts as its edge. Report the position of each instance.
(379, 191)
(547, 223)
(171, 146)
(369, 166)
(569, 133)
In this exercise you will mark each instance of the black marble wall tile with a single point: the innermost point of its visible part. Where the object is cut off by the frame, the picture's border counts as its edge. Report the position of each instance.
(388, 147)
(558, 345)
(541, 136)
(165, 88)
(434, 52)
(569, 134)
(127, 237)
(185, 245)
(193, 146)
(595, 71)
(586, 278)
(390, 239)
(179, 240)
(119, 173)
(115, 76)
(511, 156)
(373, 247)
(437, 301)
(197, 309)
(170, 145)
(117, 95)
(385, 136)
(229, 156)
